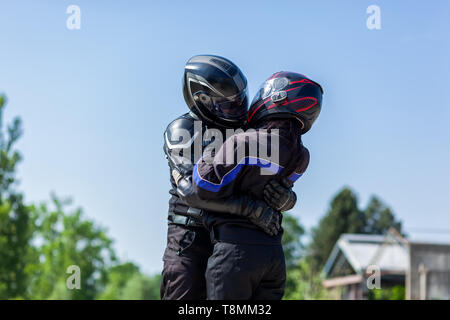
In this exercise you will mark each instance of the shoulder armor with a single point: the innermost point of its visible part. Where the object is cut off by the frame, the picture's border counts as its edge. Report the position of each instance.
(179, 143)
(176, 130)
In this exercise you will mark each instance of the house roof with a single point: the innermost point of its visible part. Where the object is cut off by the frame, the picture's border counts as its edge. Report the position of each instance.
(362, 250)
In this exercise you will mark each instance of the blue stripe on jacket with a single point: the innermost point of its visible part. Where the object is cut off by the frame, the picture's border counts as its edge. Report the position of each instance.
(231, 175)
(294, 177)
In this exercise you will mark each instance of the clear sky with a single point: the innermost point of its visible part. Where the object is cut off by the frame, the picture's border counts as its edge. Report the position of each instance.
(95, 101)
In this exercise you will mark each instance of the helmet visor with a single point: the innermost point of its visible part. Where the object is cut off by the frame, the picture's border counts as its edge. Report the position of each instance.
(230, 108)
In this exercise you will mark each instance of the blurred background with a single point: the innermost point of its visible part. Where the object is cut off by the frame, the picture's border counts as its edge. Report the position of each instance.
(83, 178)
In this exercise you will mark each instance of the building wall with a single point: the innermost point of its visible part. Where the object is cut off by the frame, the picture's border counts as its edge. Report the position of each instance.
(429, 271)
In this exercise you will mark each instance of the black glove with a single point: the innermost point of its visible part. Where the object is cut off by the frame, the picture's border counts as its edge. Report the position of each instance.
(257, 211)
(280, 195)
(261, 215)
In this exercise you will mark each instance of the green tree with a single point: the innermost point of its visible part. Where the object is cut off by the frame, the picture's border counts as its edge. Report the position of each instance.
(392, 293)
(142, 287)
(67, 238)
(154, 285)
(126, 282)
(292, 244)
(379, 218)
(38, 244)
(16, 224)
(343, 216)
(303, 282)
(117, 278)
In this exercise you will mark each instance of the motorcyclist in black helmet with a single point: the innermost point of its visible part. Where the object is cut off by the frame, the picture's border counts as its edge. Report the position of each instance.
(216, 92)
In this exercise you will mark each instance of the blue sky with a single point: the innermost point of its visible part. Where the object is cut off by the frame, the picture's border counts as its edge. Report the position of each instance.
(95, 101)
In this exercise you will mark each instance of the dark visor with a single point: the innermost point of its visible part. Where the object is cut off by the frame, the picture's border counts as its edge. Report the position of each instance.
(234, 107)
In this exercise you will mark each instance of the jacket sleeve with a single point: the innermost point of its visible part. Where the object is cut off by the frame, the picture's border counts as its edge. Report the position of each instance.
(240, 205)
(179, 151)
(217, 178)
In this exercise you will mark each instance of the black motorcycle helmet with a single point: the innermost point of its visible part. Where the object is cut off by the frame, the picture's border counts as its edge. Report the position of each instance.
(216, 90)
(287, 95)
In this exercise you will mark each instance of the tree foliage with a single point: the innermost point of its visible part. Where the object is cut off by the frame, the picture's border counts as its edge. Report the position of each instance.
(379, 218)
(16, 225)
(345, 216)
(67, 238)
(393, 293)
(292, 244)
(126, 282)
(301, 280)
(39, 243)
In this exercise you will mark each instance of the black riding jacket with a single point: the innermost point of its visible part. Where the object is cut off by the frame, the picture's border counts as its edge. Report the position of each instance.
(236, 170)
(184, 143)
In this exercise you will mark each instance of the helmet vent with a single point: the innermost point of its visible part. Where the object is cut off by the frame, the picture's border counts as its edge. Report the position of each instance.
(279, 96)
(228, 68)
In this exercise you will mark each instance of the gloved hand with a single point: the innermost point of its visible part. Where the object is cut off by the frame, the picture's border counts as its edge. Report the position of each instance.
(263, 216)
(280, 195)
(256, 211)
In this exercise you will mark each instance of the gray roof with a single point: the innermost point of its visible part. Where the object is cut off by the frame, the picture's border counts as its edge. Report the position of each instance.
(362, 250)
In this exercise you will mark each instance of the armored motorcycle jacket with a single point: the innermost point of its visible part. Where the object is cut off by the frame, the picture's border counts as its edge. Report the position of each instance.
(185, 141)
(237, 170)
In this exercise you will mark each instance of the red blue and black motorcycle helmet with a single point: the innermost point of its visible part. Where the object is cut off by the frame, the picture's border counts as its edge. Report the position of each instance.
(287, 95)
